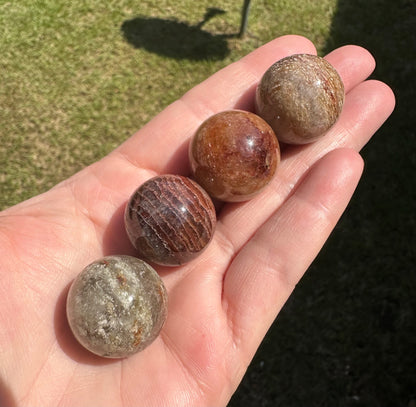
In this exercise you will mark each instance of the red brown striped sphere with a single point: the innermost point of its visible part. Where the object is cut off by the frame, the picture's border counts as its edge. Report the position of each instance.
(301, 97)
(234, 155)
(170, 220)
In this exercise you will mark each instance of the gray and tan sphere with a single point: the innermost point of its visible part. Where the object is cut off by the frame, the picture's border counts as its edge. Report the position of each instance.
(301, 97)
(117, 306)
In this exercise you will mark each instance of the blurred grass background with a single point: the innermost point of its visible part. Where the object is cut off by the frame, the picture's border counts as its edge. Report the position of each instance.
(77, 78)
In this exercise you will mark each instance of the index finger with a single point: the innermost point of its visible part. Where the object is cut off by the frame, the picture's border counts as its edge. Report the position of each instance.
(161, 145)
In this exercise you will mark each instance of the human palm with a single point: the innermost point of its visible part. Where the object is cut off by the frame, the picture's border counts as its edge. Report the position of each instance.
(222, 303)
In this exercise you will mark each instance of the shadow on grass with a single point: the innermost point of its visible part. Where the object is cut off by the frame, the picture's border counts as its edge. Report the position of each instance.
(347, 337)
(176, 39)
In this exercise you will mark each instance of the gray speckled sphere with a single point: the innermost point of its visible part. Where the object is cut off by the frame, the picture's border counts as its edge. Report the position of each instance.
(117, 306)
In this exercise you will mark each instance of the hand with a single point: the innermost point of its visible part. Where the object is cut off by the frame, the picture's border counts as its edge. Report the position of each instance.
(222, 303)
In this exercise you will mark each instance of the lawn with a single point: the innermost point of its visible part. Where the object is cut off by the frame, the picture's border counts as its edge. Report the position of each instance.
(79, 77)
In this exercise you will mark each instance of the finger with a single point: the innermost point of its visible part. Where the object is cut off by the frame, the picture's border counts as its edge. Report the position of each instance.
(161, 145)
(366, 108)
(264, 273)
(353, 63)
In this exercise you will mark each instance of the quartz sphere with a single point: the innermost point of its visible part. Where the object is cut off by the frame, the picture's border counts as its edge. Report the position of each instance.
(234, 155)
(301, 97)
(117, 306)
(170, 220)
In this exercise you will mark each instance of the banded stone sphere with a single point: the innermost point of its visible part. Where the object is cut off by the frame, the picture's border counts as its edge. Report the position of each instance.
(234, 155)
(117, 306)
(301, 97)
(170, 220)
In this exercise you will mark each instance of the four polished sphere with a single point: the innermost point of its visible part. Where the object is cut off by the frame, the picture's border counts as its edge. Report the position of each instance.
(118, 304)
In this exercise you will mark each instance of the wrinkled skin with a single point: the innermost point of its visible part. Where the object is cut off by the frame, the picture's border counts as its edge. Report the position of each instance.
(222, 303)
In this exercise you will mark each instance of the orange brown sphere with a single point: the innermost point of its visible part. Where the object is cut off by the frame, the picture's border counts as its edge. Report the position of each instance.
(234, 155)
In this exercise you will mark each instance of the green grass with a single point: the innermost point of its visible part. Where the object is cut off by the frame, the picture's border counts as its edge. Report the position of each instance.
(75, 83)
(78, 78)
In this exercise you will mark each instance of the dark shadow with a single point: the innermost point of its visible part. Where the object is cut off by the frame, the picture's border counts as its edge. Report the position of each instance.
(115, 240)
(347, 336)
(67, 341)
(176, 39)
(6, 396)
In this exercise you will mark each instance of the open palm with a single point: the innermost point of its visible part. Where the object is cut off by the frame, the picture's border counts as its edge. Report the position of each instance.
(222, 303)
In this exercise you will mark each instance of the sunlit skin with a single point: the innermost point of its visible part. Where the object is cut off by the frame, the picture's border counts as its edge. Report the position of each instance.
(220, 304)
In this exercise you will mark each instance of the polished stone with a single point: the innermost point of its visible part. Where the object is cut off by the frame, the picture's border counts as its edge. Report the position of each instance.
(301, 97)
(117, 306)
(170, 220)
(234, 155)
